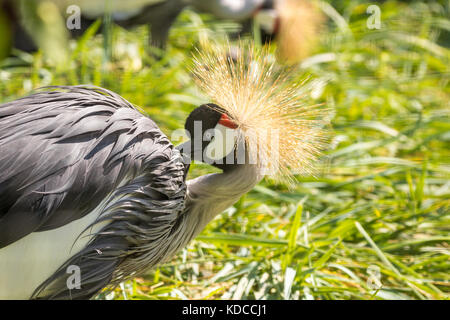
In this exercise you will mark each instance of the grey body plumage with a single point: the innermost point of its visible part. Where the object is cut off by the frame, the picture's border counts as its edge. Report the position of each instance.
(66, 151)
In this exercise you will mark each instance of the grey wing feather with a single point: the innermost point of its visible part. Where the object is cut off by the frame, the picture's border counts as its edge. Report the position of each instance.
(62, 151)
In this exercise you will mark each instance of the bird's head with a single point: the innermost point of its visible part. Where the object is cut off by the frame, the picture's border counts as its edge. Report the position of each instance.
(258, 114)
(213, 137)
(268, 20)
(294, 25)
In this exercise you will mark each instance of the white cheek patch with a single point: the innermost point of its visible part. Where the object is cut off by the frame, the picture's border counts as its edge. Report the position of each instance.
(223, 142)
(266, 19)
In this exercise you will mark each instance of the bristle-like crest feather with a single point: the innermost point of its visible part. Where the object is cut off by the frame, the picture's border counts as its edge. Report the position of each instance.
(284, 133)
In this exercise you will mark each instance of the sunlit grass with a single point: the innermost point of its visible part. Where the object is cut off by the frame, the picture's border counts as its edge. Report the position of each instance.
(381, 201)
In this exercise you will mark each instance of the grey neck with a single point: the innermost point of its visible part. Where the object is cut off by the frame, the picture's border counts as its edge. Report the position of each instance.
(211, 194)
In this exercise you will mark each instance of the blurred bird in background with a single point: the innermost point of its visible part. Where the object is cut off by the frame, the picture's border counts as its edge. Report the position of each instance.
(293, 24)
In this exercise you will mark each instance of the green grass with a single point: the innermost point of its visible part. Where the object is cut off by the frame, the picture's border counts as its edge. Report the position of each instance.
(381, 200)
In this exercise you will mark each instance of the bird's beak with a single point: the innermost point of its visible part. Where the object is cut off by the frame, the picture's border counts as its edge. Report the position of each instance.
(186, 170)
(190, 152)
(185, 151)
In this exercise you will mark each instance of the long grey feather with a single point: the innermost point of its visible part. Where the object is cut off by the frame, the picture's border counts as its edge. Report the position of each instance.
(65, 150)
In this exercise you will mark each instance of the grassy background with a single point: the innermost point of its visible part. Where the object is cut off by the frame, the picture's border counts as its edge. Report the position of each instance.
(381, 200)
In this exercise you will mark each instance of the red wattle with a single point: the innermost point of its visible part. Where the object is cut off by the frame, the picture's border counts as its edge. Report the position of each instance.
(227, 122)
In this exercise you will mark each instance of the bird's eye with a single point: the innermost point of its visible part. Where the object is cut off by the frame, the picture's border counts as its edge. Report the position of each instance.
(208, 135)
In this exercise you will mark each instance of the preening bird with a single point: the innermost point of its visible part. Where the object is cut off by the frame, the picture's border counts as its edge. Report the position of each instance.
(88, 182)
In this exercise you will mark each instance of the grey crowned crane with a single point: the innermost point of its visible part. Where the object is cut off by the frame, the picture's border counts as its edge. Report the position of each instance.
(88, 182)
